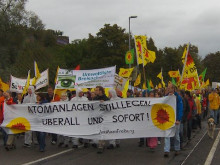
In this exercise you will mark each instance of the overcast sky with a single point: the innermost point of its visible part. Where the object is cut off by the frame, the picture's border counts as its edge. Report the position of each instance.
(169, 22)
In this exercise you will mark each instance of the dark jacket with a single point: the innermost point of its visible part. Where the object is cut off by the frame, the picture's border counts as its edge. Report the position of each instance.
(179, 107)
(186, 110)
(103, 97)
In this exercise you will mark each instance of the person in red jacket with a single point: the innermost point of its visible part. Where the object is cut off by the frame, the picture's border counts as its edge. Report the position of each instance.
(2, 99)
(191, 113)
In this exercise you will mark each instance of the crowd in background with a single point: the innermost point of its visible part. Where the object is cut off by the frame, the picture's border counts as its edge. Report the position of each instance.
(192, 108)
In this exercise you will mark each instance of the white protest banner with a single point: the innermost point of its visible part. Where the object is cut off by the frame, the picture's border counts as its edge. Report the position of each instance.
(17, 84)
(68, 79)
(43, 80)
(119, 82)
(119, 119)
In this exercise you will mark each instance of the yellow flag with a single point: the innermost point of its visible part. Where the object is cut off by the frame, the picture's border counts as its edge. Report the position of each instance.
(190, 79)
(159, 75)
(207, 83)
(144, 55)
(138, 80)
(106, 91)
(174, 73)
(159, 85)
(3, 85)
(56, 74)
(125, 72)
(144, 86)
(27, 84)
(150, 55)
(151, 84)
(124, 92)
(140, 46)
(37, 73)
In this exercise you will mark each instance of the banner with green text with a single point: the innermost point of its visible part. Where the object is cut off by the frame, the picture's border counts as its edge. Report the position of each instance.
(69, 79)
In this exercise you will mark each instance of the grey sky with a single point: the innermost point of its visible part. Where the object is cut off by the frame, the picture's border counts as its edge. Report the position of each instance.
(169, 22)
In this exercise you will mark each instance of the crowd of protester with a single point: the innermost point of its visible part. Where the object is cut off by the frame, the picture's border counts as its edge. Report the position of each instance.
(192, 108)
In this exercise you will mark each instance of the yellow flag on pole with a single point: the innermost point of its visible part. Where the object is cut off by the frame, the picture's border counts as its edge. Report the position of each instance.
(159, 85)
(174, 73)
(190, 78)
(56, 74)
(160, 76)
(37, 73)
(3, 85)
(124, 92)
(27, 84)
(144, 55)
(138, 80)
(151, 84)
(144, 86)
(125, 72)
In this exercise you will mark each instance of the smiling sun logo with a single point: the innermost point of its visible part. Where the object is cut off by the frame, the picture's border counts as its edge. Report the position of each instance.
(163, 116)
(19, 125)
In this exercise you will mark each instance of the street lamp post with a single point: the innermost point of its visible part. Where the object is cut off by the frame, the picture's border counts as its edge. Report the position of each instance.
(129, 41)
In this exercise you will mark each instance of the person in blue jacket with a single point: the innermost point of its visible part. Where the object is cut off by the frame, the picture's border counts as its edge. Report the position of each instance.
(171, 90)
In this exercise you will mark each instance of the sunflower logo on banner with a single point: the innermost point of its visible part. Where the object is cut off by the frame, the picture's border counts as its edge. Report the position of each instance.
(19, 125)
(129, 57)
(163, 116)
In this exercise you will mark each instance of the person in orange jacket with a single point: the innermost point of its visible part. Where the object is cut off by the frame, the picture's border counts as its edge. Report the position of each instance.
(214, 104)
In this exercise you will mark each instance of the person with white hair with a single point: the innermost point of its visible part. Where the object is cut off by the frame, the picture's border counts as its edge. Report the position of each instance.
(115, 142)
(79, 97)
(63, 140)
(29, 98)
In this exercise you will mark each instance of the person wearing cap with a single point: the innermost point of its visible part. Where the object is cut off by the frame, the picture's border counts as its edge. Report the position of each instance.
(214, 104)
(29, 98)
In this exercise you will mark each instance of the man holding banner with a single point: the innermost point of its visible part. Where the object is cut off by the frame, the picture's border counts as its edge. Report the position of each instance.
(100, 95)
(179, 114)
(30, 98)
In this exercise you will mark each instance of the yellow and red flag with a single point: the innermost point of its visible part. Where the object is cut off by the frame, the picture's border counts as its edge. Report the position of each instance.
(144, 55)
(174, 73)
(126, 73)
(190, 79)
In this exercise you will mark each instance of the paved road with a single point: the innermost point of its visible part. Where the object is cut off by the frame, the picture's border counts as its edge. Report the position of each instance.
(129, 153)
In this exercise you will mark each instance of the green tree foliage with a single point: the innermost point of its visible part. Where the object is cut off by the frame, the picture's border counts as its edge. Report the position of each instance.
(24, 40)
(211, 62)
